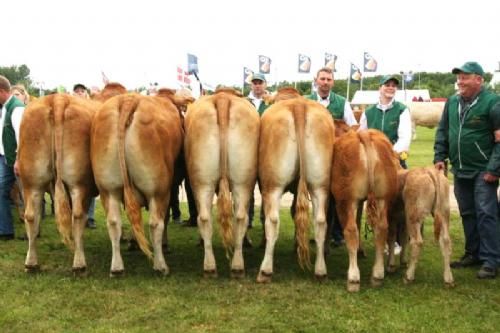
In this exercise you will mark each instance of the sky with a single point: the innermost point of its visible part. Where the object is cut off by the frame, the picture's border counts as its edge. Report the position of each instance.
(142, 42)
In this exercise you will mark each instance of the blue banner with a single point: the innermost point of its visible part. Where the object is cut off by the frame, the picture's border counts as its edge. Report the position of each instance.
(192, 64)
(355, 75)
(370, 64)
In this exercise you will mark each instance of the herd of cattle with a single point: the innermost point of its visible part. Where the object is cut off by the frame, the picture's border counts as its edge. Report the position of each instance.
(124, 146)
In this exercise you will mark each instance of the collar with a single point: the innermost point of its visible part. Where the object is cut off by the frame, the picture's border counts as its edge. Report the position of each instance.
(385, 107)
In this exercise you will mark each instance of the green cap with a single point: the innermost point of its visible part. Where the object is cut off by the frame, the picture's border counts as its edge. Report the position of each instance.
(470, 67)
(258, 76)
(388, 78)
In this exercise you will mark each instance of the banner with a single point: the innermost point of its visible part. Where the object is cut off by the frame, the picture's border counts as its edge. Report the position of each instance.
(355, 75)
(330, 60)
(264, 64)
(192, 64)
(247, 75)
(370, 64)
(183, 76)
(304, 63)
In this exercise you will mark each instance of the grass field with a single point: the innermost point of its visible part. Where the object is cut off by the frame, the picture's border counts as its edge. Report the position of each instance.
(56, 301)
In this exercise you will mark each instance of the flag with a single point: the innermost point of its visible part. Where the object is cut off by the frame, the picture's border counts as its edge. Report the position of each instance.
(304, 63)
(355, 75)
(105, 79)
(183, 76)
(370, 64)
(247, 75)
(408, 77)
(330, 60)
(192, 64)
(264, 64)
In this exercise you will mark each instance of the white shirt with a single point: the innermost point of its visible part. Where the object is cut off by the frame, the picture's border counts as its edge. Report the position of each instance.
(17, 115)
(255, 100)
(404, 127)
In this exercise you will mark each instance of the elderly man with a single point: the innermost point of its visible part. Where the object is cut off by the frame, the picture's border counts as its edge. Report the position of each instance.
(469, 136)
(10, 122)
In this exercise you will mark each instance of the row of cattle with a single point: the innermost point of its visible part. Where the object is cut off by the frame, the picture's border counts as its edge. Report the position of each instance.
(124, 147)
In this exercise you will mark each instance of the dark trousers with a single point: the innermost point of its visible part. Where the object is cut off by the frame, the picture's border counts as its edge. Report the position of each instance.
(193, 212)
(478, 204)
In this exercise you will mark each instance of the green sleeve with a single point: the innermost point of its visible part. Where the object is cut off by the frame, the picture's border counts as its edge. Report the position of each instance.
(494, 161)
(441, 144)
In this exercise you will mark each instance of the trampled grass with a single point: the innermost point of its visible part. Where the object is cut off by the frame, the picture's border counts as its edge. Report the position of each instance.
(56, 301)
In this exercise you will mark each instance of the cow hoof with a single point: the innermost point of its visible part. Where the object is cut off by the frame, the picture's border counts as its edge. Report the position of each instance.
(449, 285)
(161, 272)
(117, 273)
(376, 282)
(210, 274)
(79, 271)
(392, 268)
(321, 277)
(32, 269)
(237, 273)
(407, 280)
(264, 277)
(353, 286)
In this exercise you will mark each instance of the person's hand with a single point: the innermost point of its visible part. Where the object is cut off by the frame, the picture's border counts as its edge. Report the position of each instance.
(16, 168)
(440, 165)
(489, 178)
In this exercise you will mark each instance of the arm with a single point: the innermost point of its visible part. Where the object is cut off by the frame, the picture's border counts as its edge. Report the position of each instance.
(493, 168)
(404, 133)
(441, 144)
(349, 115)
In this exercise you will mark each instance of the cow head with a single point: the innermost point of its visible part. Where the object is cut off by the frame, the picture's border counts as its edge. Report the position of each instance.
(110, 90)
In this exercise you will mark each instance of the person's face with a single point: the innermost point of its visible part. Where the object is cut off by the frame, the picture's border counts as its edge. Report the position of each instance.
(324, 83)
(468, 84)
(19, 95)
(388, 90)
(4, 96)
(258, 87)
(80, 92)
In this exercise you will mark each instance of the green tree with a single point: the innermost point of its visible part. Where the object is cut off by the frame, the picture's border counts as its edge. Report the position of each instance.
(17, 74)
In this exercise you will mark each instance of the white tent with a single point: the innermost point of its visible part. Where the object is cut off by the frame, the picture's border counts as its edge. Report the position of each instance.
(368, 97)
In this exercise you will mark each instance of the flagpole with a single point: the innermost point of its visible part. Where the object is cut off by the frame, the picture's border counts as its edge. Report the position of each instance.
(361, 83)
(348, 84)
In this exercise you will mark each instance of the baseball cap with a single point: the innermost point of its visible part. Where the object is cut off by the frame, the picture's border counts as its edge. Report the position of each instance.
(388, 78)
(470, 67)
(79, 85)
(259, 76)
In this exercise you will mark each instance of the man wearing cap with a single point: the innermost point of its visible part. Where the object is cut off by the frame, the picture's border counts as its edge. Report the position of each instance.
(10, 123)
(79, 90)
(469, 136)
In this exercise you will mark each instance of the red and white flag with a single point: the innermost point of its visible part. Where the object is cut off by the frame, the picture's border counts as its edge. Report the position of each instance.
(183, 76)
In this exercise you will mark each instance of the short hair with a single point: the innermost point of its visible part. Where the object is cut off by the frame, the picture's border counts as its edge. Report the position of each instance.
(4, 83)
(324, 69)
(22, 90)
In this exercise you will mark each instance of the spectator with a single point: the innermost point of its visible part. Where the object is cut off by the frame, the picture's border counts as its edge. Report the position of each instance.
(10, 122)
(20, 93)
(469, 136)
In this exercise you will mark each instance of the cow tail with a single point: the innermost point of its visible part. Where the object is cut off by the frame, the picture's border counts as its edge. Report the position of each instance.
(302, 208)
(224, 209)
(371, 202)
(127, 107)
(438, 208)
(61, 204)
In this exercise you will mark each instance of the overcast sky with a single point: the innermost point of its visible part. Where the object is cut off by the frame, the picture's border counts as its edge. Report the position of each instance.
(138, 42)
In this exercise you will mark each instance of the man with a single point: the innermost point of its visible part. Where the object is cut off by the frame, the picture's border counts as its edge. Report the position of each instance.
(340, 109)
(10, 122)
(469, 136)
(79, 90)
(256, 97)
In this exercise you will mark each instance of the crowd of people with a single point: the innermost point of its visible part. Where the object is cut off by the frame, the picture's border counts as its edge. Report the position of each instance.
(468, 137)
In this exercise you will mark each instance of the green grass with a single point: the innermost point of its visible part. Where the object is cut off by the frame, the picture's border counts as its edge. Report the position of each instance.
(56, 301)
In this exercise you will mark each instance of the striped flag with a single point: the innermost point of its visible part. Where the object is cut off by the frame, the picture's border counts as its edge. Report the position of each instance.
(264, 64)
(330, 60)
(355, 75)
(370, 64)
(304, 63)
(183, 76)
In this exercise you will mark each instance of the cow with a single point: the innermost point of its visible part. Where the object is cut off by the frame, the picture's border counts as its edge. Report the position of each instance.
(296, 144)
(426, 114)
(364, 167)
(54, 147)
(135, 140)
(222, 138)
(422, 192)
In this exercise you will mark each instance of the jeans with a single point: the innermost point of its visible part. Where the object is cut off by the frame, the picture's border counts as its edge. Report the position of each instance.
(90, 213)
(7, 180)
(478, 204)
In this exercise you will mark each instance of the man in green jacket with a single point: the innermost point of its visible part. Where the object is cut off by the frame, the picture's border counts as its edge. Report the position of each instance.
(10, 122)
(469, 136)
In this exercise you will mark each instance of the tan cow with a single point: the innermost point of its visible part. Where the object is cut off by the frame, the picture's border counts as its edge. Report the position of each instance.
(296, 143)
(423, 192)
(364, 167)
(54, 148)
(135, 141)
(426, 114)
(222, 136)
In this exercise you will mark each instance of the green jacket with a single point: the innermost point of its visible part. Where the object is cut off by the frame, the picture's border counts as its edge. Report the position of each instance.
(386, 122)
(469, 143)
(336, 106)
(262, 107)
(8, 134)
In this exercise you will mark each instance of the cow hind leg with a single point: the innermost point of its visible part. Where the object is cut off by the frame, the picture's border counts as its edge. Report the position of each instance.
(271, 201)
(157, 210)
(32, 216)
(241, 197)
(112, 202)
(445, 245)
(319, 200)
(204, 198)
(79, 209)
(416, 243)
(380, 230)
(346, 212)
